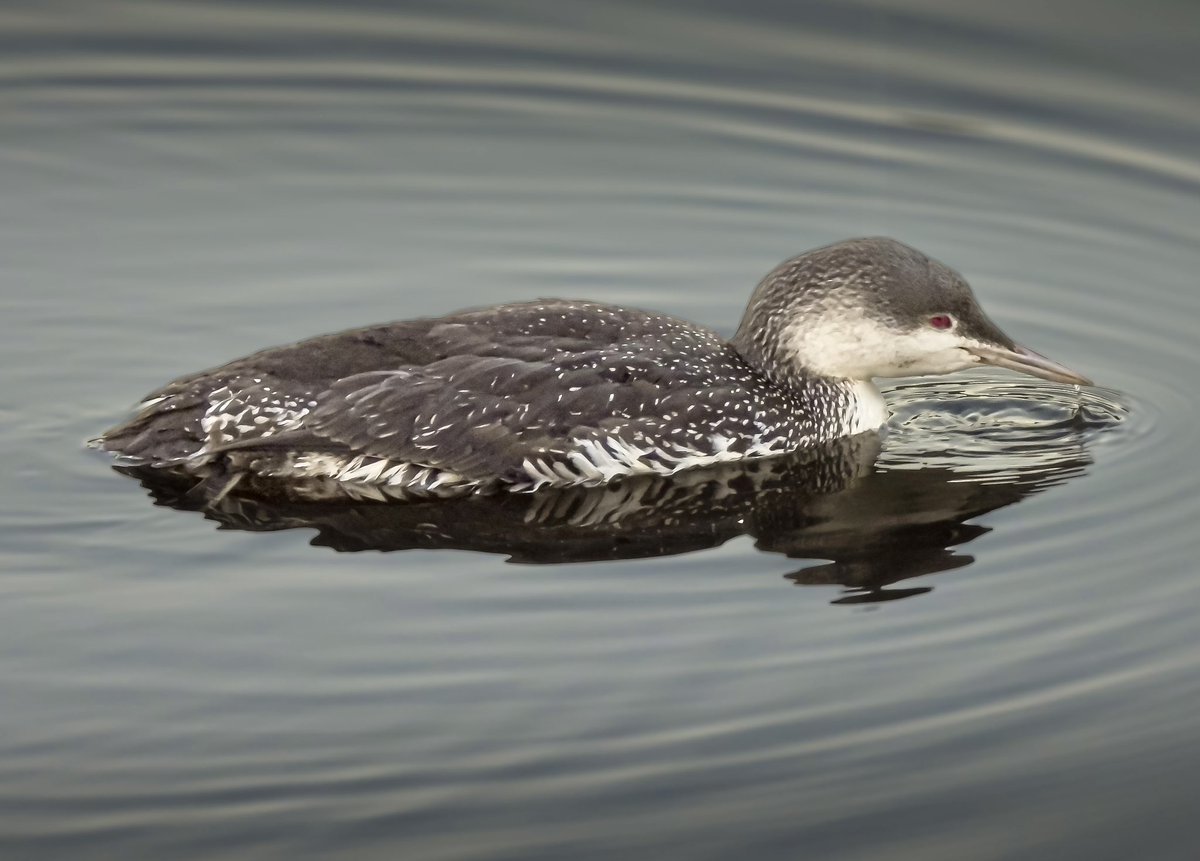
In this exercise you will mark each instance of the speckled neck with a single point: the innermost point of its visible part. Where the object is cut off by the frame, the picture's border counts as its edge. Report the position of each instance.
(786, 293)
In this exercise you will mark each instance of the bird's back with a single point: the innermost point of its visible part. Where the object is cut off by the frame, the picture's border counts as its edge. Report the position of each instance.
(543, 392)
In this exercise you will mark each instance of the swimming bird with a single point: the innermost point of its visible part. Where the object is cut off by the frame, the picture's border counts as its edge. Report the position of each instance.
(557, 392)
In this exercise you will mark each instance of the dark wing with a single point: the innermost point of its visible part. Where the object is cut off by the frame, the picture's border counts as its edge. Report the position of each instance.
(169, 423)
(476, 392)
(484, 416)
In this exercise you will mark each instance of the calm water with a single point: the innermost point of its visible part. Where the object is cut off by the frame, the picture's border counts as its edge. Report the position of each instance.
(186, 182)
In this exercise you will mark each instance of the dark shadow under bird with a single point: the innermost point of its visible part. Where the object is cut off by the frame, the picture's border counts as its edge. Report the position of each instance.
(856, 524)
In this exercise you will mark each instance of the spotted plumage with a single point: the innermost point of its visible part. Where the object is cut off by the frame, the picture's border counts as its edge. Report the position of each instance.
(561, 393)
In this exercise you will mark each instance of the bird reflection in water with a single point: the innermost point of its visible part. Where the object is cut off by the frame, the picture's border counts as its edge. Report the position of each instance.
(866, 522)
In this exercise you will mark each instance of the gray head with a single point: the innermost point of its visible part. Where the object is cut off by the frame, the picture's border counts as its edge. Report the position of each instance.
(875, 307)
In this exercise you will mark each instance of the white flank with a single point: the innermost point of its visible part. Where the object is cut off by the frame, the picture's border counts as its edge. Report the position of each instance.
(598, 461)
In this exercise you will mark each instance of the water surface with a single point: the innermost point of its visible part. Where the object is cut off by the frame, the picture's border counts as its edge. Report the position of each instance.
(188, 182)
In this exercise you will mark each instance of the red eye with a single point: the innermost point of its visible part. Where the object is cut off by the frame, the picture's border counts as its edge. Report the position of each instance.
(941, 321)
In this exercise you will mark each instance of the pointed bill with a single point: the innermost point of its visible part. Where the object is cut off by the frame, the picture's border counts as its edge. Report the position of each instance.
(1028, 362)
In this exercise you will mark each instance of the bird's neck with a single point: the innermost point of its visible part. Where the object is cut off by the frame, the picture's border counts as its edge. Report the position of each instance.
(857, 405)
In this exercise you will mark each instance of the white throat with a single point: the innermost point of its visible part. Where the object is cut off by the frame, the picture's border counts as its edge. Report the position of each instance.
(867, 410)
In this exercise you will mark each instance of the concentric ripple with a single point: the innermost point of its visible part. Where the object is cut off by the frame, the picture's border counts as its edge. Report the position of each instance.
(186, 182)
(975, 423)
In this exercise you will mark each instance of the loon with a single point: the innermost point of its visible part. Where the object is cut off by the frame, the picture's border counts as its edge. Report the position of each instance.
(560, 393)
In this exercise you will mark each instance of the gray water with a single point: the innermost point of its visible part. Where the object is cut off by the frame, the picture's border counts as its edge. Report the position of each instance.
(186, 182)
